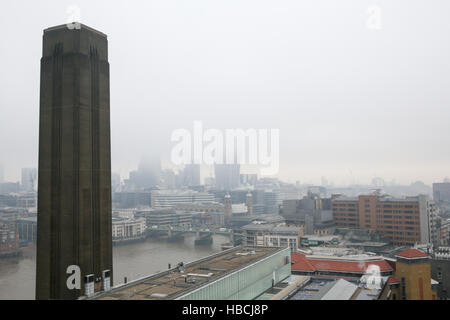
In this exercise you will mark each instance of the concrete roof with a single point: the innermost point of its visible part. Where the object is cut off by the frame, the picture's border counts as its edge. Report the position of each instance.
(170, 284)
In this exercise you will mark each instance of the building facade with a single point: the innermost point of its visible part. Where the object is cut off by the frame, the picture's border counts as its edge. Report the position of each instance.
(171, 198)
(128, 228)
(27, 229)
(444, 233)
(272, 235)
(165, 218)
(29, 179)
(441, 192)
(402, 221)
(227, 176)
(8, 238)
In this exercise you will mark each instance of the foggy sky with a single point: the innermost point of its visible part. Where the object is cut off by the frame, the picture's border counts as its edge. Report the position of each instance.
(351, 103)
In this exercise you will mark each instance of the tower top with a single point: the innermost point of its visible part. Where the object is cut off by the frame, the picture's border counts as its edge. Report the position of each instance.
(74, 38)
(76, 26)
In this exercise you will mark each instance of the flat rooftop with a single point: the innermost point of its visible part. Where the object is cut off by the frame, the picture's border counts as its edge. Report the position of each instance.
(171, 284)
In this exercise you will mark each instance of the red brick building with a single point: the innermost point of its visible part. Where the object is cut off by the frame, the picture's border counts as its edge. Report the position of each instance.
(402, 221)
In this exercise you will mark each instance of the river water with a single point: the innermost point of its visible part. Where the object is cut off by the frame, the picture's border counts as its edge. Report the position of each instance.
(17, 275)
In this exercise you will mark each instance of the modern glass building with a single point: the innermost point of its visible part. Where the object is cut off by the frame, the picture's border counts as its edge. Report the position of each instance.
(248, 282)
(240, 273)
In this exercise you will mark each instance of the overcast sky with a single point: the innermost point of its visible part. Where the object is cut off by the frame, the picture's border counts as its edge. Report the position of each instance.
(351, 101)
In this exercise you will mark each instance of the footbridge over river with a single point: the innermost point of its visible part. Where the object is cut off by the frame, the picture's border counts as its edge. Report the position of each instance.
(203, 235)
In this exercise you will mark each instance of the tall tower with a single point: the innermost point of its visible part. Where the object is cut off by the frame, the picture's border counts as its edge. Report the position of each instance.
(74, 180)
(228, 209)
(249, 203)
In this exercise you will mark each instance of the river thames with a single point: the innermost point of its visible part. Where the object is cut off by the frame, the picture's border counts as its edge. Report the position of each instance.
(18, 275)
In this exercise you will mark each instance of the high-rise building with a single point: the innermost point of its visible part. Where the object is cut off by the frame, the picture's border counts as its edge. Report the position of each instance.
(227, 176)
(147, 176)
(249, 203)
(191, 175)
(74, 195)
(29, 179)
(115, 182)
(131, 199)
(228, 209)
(143, 179)
(272, 201)
(170, 198)
(248, 179)
(9, 187)
(441, 192)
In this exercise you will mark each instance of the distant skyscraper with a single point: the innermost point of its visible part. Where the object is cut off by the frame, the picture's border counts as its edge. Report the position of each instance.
(74, 195)
(148, 174)
(272, 201)
(168, 179)
(227, 176)
(191, 175)
(249, 203)
(115, 182)
(228, 209)
(248, 179)
(441, 192)
(29, 179)
(2, 176)
(378, 182)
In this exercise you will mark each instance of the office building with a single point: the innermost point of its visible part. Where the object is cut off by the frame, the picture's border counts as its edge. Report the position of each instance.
(271, 235)
(403, 221)
(227, 176)
(27, 229)
(171, 198)
(9, 238)
(134, 199)
(249, 203)
(9, 187)
(444, 233)
(248, 179)
(440, 271)
(128, 229)
(228, 209)
(272, 201)
(165, 217)
(191, 175)
(441, 193)
(115, 182)
(29, 179)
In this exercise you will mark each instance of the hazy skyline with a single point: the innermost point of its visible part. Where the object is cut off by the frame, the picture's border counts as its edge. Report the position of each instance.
(351, 103)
